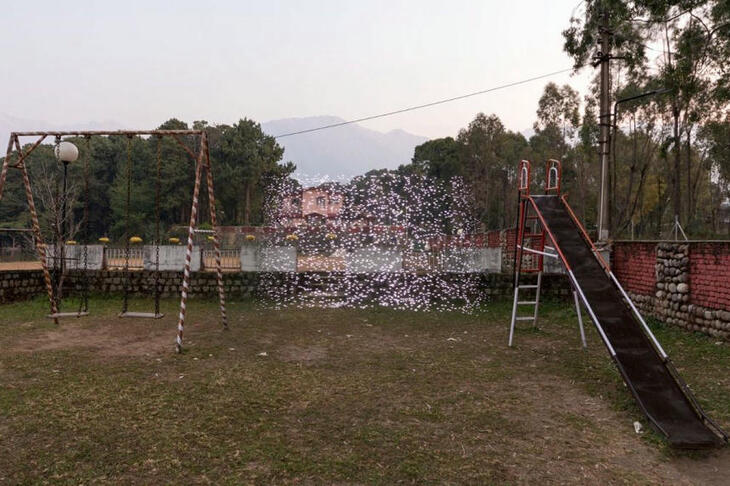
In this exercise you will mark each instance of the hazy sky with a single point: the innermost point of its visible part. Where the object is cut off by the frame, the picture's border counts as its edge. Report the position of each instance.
(140, 62)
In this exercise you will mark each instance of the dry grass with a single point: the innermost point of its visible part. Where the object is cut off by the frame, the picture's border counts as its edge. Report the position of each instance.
(340, 396)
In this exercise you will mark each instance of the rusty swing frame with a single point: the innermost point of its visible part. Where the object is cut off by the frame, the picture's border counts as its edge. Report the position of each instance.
(202, 161)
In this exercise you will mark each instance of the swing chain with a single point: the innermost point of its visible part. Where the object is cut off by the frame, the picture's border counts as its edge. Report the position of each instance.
(84, 304)
(58, 254)
(127, 274)
(157, 226)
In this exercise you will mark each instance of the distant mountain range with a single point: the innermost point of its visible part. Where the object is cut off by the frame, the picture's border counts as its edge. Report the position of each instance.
(337, 153)
(341, 152)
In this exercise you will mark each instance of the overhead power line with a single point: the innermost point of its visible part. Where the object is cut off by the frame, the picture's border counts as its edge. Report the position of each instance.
(425, 105)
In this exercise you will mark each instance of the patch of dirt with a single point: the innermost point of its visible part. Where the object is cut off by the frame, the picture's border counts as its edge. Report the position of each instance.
(132, 337)
(302, 354)
(569, 426)
(711, 470)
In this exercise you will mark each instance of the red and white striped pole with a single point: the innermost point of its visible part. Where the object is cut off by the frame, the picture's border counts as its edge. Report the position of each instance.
(189, 252)
(4, 170)
(216, 240)
(39, 245)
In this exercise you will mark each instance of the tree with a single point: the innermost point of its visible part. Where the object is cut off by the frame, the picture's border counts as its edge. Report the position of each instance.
(586, 158)
(695, 40)
(247, 154)
(440, 158)
(558, 105)
(484, 168)
(133, 215)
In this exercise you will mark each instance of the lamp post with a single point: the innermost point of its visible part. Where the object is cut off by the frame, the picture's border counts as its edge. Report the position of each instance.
(604, 205)
(66, 152)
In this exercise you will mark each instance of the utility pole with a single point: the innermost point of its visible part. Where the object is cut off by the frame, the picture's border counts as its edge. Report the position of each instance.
(603, 58)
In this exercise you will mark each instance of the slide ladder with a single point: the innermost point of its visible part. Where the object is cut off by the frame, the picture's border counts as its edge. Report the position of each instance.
(530, 251)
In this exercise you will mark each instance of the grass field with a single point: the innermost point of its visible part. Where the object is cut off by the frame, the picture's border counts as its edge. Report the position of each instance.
(334, 396)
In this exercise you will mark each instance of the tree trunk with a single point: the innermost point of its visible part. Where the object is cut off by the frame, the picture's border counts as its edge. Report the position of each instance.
(247, 211)
(505, 192)
(677, 202)
(690, 198)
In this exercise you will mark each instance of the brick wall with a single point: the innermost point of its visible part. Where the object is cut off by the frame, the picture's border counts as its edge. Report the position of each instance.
(691, 283)
(709, 267)
(633, 264)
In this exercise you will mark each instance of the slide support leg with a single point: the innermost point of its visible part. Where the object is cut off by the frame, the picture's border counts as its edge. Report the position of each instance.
(514, 315)
(580, 318)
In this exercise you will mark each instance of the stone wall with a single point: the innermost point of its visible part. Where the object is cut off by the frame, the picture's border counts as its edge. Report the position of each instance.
(401, 290)
(287, 286)
(20, 285)
(202, 284)
(25, 284)
(671, 303)
(691, 288)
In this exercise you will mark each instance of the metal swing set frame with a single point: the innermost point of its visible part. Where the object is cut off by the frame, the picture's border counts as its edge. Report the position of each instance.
(202, 161)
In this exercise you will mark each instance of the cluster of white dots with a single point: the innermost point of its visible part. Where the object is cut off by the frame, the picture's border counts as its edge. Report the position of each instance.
(377, 250)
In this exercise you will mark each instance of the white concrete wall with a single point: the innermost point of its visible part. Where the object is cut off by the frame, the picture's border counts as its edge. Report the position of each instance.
(75, 257)
(454, 260)
(172, 257)
(278, 259)
(373, 259)
(552, 265)
(251, 258)
(490, 259)
(472, 260)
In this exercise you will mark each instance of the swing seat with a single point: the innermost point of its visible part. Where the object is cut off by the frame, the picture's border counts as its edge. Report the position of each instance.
(67, 314)
(141, 315)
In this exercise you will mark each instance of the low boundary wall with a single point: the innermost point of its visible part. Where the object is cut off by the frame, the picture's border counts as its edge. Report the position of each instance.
(686, 284)
(25, 284)
(681, 283)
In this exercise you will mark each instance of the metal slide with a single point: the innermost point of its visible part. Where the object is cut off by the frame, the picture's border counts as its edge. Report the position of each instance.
(648, 372)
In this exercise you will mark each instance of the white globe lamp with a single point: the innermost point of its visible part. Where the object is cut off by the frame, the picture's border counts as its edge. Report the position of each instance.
(66, 152)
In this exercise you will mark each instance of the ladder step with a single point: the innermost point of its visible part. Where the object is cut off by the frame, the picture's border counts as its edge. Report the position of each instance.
(527, 286)
(527, 302)
(145, 315)
(67, 314)
(524, 318)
